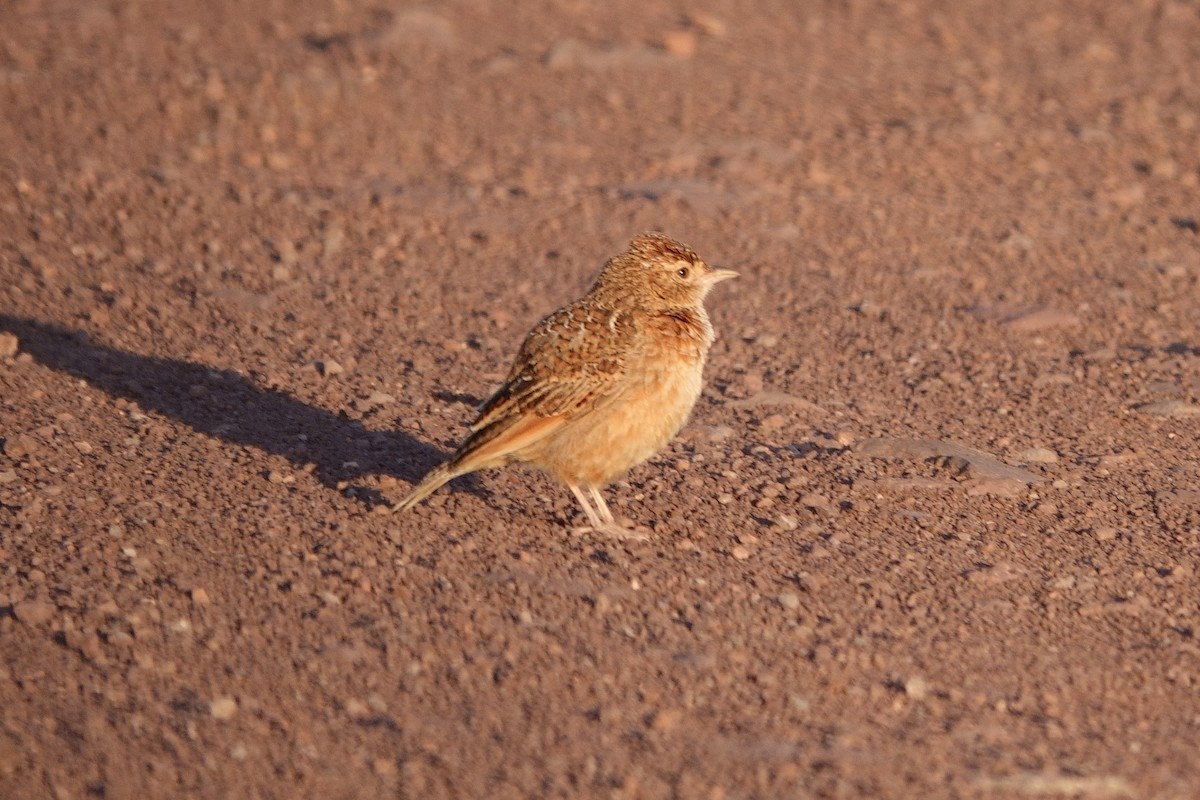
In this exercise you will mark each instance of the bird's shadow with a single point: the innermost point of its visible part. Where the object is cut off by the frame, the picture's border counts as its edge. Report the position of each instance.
(228, 405)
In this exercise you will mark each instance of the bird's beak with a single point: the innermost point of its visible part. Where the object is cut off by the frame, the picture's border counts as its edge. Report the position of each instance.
(718, 275)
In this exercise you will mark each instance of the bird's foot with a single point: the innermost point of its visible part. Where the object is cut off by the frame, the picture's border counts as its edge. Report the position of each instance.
(615, 530)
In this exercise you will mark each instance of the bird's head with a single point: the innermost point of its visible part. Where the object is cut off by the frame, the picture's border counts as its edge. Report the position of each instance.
(658, 272)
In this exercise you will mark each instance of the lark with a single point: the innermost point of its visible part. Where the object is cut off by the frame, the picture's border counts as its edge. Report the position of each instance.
(602, 384)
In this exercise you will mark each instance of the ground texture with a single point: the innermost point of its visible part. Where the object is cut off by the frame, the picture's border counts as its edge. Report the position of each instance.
(933, 530)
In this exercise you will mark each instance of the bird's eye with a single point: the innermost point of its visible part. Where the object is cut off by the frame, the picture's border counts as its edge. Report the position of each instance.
(682, 272)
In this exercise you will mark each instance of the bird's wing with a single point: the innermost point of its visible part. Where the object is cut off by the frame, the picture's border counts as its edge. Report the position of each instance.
(572, 362)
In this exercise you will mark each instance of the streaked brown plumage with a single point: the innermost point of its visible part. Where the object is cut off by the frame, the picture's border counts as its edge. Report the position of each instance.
(603, 383)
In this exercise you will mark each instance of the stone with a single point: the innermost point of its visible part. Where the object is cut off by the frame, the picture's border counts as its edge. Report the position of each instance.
(223, 708)
(34, 612)
(1037, 455)
(9, 344)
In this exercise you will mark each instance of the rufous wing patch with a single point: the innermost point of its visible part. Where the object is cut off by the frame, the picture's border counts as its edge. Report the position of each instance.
(485, 449)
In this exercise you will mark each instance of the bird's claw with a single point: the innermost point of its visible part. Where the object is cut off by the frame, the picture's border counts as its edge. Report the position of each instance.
(615, 530)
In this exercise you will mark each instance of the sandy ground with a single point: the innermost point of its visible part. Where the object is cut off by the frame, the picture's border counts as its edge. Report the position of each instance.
(933, 529)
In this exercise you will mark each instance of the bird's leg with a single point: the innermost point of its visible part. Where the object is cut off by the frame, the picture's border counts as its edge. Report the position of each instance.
(601, 520)
(593, 519)
(601, 506)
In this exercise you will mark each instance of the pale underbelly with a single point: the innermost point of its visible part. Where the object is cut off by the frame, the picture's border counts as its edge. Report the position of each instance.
(598, 447)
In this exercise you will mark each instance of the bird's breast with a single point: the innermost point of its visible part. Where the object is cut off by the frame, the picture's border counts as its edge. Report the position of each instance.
(659, 386)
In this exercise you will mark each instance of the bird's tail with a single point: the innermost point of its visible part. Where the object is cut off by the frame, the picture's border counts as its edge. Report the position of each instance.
(490, 446)
(428, 485)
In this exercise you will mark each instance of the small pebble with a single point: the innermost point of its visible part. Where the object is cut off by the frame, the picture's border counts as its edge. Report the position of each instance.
(787, 522)
(9, 345)
(917, 688)
(1105, 534)
(34, 612)
(681, 44)
(277, 476)
(20, 446)
(789, 600)
(816, 502)
(708, 24)
(373, 400)
(773, 422)
(667, 720)
(740, 552)
(328, 367)
(223, 708)
(200, 596)
(1038, 455)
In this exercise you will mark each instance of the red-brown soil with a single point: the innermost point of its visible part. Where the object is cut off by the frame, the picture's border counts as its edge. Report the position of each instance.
(933, 530)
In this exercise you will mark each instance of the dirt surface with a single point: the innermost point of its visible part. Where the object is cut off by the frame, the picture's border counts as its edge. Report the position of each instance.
(933, 530)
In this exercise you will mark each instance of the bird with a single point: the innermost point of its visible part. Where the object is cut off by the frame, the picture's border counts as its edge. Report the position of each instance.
(601, 384)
